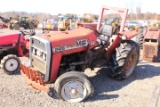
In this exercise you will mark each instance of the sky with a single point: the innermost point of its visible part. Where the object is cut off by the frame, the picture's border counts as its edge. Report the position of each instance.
(55, 7)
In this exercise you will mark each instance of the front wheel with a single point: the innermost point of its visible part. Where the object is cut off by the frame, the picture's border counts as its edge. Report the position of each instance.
(10, 64)
(73, 87)
(125, 60)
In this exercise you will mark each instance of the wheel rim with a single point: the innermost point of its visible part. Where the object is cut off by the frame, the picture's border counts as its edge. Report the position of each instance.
(131, 63)
(11, 65)
(74, 91)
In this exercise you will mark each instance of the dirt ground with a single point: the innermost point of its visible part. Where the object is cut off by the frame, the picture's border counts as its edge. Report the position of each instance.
(136, 91)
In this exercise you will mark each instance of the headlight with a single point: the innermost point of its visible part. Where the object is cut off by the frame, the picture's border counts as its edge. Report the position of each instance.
(44, 56)
(34, 51)
(39, 53)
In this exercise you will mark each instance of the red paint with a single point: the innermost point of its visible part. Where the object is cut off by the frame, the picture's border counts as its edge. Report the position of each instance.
(56, 59)
(13, 40)
(92, 25)
(155, 34)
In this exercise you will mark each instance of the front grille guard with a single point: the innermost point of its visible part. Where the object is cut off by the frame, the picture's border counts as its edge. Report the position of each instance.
(33, 78)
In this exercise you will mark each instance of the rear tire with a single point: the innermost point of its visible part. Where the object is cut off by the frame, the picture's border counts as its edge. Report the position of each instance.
(31, 26)
(155, 100)
(139, 40)
(73, 87)
(11, 26)
(10, 64)
(16, 26)
(125, 60)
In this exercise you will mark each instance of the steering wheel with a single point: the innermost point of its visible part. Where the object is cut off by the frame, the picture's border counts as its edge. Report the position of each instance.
(31, 32)
(95, 31)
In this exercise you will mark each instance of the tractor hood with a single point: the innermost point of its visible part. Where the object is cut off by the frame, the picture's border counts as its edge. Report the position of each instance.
(9, 39)
(71, 39)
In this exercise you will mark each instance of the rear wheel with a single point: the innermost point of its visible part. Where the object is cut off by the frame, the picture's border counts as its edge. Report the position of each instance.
(10, 64)
(125, 60)
(11, 25)
(73, 87)
(16, 26)
(139, 39)
(31, 26)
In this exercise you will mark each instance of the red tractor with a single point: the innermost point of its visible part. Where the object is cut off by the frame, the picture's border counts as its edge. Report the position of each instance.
(12, 45)
(149, 41)
(151, 45)
(62, 56)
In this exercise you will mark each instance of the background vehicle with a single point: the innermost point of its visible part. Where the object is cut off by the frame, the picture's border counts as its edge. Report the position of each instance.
(149, 42)
(26, 23)
(63, 56)
(51, 25)
(64, 23)
(10, 21)
(115, 22)
(2, 25)
(133, 25)
(12, 45)
(5, 19)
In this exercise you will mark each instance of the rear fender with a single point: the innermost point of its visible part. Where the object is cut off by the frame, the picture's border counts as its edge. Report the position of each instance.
(129, 34)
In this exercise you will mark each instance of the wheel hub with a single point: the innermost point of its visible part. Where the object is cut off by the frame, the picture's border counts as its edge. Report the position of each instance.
(129, 63)
(11, 65)
(73, 91)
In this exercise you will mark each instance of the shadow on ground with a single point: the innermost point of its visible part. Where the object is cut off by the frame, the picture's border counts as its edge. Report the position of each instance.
(103, 83)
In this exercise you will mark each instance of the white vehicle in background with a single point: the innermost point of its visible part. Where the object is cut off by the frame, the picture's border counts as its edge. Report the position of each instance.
(144, 23)
(133, 24)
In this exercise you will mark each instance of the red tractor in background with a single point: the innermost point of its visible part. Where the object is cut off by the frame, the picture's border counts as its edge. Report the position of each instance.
(149, 42)
(12, 45)
(62, 56)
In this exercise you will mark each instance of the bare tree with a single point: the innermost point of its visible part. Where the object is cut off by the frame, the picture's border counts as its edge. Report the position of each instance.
(138, 12)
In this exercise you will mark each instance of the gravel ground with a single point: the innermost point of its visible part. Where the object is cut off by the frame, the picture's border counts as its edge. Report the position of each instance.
(135, 91)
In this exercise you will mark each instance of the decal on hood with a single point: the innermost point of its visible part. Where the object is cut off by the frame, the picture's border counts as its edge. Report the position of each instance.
(78, 44)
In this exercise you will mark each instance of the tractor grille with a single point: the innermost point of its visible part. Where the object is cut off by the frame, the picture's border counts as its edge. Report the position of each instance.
(38, 44)
(40, 55)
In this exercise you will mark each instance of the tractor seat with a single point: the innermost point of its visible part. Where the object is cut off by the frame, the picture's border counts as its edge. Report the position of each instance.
(106, 30)
(105, 33)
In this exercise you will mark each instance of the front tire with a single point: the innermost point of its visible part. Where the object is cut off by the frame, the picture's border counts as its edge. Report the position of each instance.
(73, 87)
(10, 64)
(125, 60)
